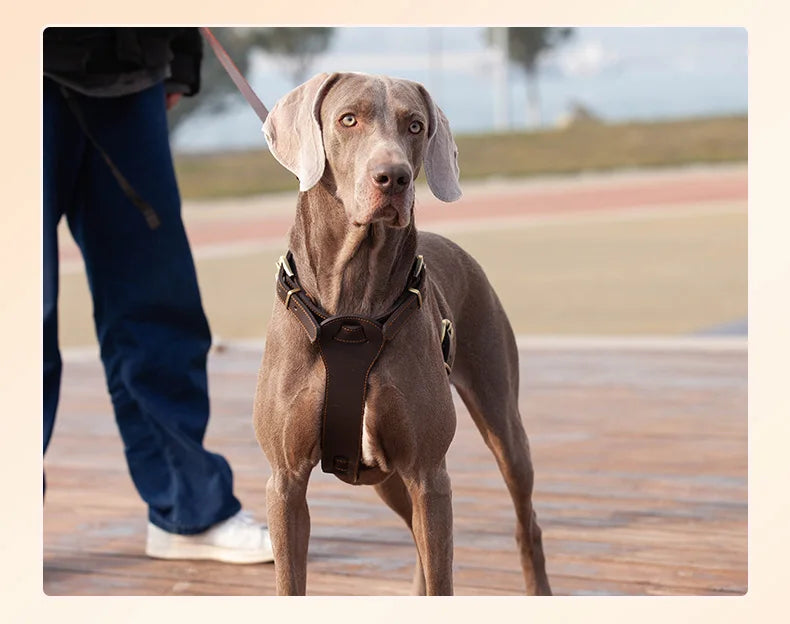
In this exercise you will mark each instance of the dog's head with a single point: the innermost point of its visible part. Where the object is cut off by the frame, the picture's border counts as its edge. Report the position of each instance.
(365, 137)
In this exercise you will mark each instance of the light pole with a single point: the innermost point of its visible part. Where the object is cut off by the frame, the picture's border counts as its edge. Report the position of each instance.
(501, 86)
(435, 61)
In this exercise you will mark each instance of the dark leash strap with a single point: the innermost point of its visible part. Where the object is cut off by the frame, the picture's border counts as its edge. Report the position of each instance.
(151, 218)
(349, 346)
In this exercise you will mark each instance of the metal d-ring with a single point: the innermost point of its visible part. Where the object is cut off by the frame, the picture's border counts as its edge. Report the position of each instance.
(419, 296)
(283, 262)
(293, 291)
(447, 329)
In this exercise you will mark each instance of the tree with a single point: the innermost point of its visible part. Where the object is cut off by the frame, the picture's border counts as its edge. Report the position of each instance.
(526, 47)
(297, 47)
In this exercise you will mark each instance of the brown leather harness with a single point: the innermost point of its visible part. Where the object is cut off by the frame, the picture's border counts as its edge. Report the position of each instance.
(349, 346)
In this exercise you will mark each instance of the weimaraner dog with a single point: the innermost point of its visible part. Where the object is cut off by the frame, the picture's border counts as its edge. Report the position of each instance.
(356, 143)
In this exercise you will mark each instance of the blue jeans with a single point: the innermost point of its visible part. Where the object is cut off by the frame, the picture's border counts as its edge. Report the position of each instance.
(149, 319)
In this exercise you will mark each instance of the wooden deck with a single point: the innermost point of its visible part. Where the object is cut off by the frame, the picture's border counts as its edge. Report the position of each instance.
(640, 455)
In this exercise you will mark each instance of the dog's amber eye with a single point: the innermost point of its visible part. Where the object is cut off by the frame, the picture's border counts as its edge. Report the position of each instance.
(415, 127)
(348, 120)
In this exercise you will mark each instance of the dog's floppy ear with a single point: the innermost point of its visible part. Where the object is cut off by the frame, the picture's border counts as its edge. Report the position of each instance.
(293, 130)
(441, 154)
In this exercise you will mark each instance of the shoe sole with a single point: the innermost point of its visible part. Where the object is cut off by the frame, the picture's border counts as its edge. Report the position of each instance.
(207, 552)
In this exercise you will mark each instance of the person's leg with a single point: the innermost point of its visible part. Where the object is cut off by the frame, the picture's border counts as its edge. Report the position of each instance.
(63, 149)
(149, 319)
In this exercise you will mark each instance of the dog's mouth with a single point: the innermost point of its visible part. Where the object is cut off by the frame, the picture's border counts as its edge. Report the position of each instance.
(387, 214)
(370, 205)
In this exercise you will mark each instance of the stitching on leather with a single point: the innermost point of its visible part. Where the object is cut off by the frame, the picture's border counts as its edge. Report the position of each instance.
(326, 396)
(359, 318)
(393, 321)
(283, 290)
(296, 301)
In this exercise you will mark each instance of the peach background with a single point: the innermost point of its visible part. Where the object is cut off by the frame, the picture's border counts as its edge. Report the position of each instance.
(20, 423)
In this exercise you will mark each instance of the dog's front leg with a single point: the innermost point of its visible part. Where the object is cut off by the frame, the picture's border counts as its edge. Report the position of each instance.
(289, 526)
(432, 524)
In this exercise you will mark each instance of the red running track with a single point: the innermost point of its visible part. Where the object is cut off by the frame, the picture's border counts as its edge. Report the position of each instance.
(666, 190)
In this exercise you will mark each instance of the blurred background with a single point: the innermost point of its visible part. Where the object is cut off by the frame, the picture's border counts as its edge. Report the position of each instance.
(604, 172)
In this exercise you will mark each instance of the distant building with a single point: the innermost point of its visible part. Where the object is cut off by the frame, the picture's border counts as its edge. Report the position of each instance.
(577, 113)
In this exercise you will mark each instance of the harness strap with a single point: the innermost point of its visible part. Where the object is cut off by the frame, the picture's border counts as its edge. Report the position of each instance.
(349, 346)
(294, 300)
(310, 316)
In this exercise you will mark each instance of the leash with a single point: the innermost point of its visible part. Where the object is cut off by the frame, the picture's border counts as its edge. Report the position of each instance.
(149, 214)
(235, 75)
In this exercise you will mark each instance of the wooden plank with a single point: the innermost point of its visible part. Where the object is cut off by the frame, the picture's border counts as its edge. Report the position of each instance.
(640, 488)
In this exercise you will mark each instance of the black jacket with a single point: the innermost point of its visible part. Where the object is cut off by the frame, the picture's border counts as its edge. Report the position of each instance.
(119, 61)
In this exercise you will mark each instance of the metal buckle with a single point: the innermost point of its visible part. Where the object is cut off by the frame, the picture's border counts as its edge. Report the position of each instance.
(419, 296)
(283, 262)
(290, 293)
(420, 265)
(447, 329)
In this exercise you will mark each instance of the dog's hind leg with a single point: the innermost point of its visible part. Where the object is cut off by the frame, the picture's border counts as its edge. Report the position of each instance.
(485, 374)
(393, 492)
(500, 423)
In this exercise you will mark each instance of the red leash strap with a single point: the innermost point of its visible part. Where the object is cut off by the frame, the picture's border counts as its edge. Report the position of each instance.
(235, 74)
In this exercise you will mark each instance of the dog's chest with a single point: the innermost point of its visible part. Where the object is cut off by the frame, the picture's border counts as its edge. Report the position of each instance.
(382, 429)
(369, 449)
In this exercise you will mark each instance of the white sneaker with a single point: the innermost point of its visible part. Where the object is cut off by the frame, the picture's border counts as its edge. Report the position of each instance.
(239, 539)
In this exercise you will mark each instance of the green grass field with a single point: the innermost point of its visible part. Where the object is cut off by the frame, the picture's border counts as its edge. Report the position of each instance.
(582, 147)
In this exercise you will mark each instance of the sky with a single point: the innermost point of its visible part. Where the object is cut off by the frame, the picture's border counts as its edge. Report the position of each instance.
(620, 74)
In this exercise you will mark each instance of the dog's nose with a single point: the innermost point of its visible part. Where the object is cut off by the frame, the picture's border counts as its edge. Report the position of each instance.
(391, 179)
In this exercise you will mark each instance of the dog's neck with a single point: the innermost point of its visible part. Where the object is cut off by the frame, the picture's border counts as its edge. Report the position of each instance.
(349, 269)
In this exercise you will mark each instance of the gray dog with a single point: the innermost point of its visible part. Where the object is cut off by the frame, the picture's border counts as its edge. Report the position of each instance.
(357, 142)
